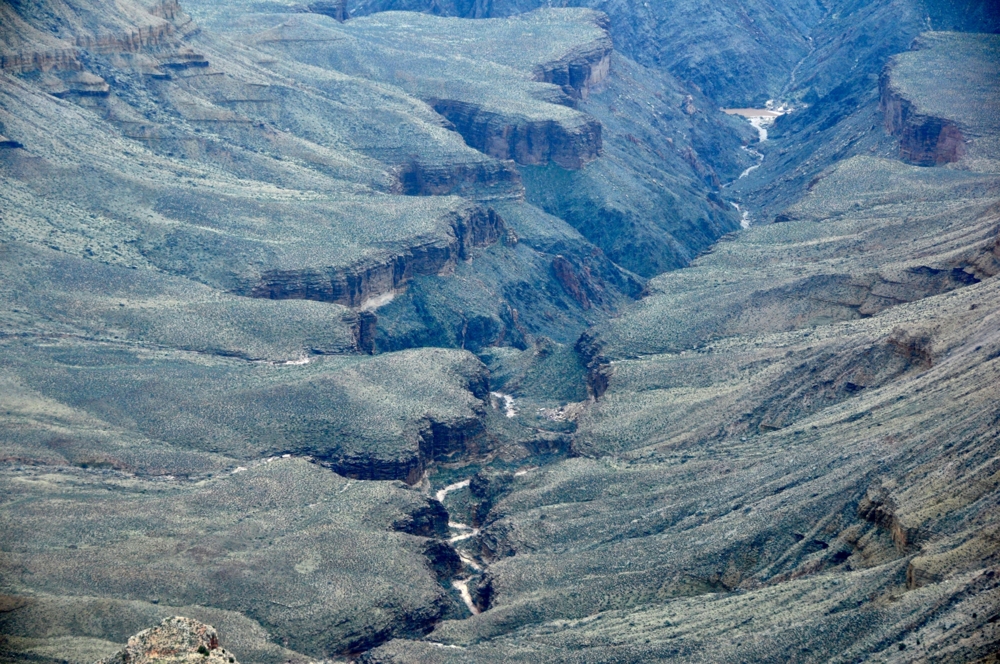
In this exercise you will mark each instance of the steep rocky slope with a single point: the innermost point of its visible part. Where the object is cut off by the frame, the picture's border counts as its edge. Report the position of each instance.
(836, 93)
(943, 123)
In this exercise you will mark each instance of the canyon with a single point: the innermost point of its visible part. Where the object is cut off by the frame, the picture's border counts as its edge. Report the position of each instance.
(452, 330)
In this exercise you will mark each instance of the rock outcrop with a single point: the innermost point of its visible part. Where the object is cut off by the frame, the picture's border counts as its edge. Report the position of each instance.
(81, 84)
(583, 70)
(448, 441)
(570, 281)
(471, 227)
(525, 141)
(923, 140)
(176, 640)
(940, 99)
(489, 179)
(93, 30)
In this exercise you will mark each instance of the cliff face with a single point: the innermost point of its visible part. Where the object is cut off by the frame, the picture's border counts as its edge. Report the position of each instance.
(528, 142)
(923, 140)
(582, 71)
(483, 180)
(940, 99)
(441, 437)
(471, 227)
(155, 27)
(445, 441)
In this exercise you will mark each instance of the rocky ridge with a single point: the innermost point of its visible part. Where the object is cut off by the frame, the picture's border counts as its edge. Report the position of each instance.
(176, 639)
(530, 123)
(471, 228)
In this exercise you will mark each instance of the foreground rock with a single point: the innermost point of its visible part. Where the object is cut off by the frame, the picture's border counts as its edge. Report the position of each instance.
(176, 640)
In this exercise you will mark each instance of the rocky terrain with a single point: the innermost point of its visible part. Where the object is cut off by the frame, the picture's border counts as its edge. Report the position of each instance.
(406, 331)
(937, 125)
(176, 639)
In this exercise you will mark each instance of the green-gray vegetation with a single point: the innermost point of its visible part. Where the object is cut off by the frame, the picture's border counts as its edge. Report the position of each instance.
(319, 547)
(431, 334)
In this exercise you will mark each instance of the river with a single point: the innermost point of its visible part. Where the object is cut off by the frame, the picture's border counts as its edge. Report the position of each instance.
(465, 532)
(761, 119)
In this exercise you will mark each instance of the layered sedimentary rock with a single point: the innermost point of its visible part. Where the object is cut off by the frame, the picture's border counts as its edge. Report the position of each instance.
(527, 143)
(923, 140)
(486, 180)
(938, 98)
(470, 228)
(581, 71)
(735, 52)
(638, 202)
(526, 119)
(88, 27)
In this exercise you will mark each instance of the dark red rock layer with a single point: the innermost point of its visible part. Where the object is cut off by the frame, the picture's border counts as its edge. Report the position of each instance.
(491, 180)
(581, 71)
(923, 140)
(472, 227)
(527, 143)
(568, 279)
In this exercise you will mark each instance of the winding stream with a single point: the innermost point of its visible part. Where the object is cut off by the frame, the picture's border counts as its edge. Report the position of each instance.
(465, 532)
(760, 119)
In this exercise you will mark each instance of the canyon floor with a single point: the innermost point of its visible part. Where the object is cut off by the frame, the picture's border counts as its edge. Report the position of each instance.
(405, 331)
